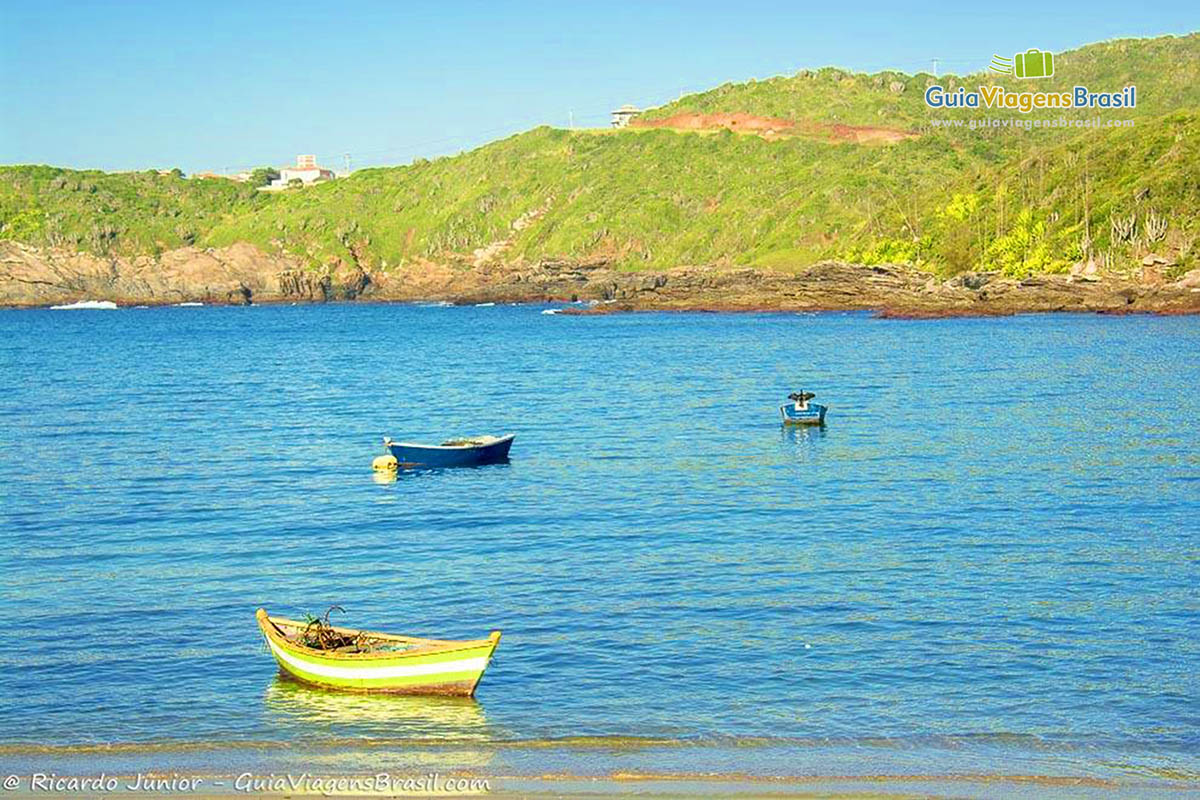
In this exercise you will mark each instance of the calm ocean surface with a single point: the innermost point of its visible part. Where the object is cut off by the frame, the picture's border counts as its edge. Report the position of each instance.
(992, 548)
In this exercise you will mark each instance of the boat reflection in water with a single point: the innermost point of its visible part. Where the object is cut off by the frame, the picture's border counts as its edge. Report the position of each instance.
(415, 718)
(801, 446)
(384, 476)
(802, 434)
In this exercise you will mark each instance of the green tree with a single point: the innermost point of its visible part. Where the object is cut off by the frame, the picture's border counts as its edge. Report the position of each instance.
(263, 176)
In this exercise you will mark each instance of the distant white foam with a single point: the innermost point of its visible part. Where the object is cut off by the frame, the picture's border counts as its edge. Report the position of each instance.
(484, 305)
(189, 305)
(106, 304)
(551, 310)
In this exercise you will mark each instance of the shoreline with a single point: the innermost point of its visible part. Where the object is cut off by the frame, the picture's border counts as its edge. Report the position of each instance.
(568, 308)
(243, 275)
(571, 308)
(604, 766)
(475, 783)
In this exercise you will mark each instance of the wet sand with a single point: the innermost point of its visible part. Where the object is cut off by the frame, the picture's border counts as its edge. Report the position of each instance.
(894, 787)
(549, 769)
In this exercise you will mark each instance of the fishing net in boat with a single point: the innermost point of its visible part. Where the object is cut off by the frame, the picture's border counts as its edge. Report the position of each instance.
(470, 441)
(320, 635)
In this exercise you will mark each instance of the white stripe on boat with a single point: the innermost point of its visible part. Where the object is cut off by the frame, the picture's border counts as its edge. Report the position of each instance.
(368, 673)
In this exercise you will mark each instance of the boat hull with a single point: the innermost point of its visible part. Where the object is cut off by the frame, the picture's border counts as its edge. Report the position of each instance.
(813, 415)
(418, 456)
(453, 669)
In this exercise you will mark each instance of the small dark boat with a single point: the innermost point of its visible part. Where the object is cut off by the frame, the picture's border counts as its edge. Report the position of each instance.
(801, 412)
(467, 452)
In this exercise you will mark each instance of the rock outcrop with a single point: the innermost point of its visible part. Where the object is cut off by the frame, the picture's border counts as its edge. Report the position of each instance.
(236, 275)
(242, 274)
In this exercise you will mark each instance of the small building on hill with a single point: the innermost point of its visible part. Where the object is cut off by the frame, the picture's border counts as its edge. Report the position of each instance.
(621, 117)
(306, 171)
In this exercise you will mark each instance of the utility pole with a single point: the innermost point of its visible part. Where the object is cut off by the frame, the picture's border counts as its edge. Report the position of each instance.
(571, 119)
(347, 156)
(935, 62)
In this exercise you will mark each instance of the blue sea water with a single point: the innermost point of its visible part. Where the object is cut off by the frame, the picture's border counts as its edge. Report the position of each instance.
(992, 547)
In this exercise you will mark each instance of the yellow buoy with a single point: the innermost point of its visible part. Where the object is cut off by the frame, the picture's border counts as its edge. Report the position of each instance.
(385, 464)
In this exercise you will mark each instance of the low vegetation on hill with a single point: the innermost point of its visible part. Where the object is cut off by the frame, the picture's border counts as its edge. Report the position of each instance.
(126, 213)
(945, 198)
(1164, 69)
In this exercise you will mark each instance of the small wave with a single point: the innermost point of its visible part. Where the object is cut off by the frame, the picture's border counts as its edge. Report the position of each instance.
(189, 305)
(105, 304)
(1025, 742)
(484, 305)
(552, 311)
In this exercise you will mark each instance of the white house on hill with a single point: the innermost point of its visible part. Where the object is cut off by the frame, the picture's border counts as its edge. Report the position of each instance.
(306, 171)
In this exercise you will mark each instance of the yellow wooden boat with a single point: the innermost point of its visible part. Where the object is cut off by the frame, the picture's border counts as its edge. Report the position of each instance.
(366, 661)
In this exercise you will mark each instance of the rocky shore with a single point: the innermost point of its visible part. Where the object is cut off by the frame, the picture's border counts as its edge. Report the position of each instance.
(242, 274)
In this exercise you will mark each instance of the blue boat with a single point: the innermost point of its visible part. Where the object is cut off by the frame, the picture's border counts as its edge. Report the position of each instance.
(801, 412)
(467, 452)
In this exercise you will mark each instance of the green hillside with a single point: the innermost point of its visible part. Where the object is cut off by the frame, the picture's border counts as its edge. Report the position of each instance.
(126, 213)
(645, 199)
(1166, 71)
(947, 199)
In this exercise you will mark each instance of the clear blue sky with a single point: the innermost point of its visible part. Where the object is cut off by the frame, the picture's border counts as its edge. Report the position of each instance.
(210, 84)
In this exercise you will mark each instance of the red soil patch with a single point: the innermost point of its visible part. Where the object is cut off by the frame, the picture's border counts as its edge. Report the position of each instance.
(712, 122)
(868, 134)
(776, 127)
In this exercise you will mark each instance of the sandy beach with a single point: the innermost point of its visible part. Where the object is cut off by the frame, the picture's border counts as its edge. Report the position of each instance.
(682, 786)
(584, 768)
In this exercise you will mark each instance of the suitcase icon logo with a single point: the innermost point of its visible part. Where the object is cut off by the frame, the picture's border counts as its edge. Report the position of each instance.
(1033, 63)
